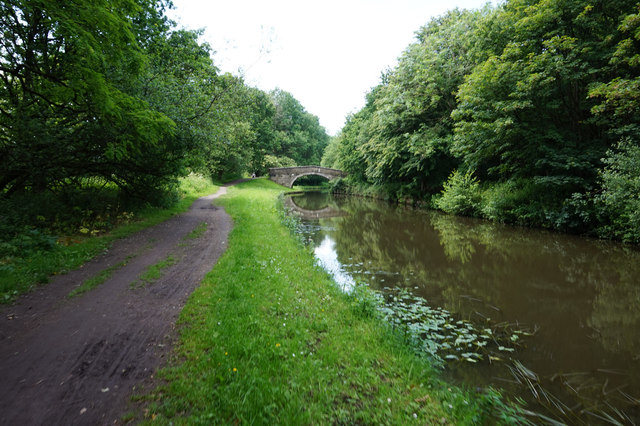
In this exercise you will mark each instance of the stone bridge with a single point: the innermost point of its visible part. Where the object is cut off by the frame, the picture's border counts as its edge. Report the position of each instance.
(286, 176)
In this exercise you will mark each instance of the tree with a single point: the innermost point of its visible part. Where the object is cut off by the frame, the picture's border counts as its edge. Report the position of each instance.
(411, 128)
(619, 108)
(65, 113)
(402, 138)
(525, 113)
(298, 134)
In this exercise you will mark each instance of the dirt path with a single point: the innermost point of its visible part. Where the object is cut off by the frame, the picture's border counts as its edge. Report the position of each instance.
(76, 361)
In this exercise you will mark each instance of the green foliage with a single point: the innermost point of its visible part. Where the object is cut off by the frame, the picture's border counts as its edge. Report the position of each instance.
(24, 241)
(620, 196)
(525, 202)
(531, 95)
(619, 98)
(273, 161)
(330, 155)
(411, 129)
(298, 134)
(29, 256)
(365, 302)
(500, 201)
(67, 111)
(461, 194)
(338, 186)
(105, 105)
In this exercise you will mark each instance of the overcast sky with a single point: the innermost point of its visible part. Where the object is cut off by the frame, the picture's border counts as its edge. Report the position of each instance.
(327, 54)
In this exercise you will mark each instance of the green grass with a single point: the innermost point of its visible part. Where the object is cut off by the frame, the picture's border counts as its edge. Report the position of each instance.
(197, 232)
(154, 272)
(268, 338)
(18, 275)
(93, 282)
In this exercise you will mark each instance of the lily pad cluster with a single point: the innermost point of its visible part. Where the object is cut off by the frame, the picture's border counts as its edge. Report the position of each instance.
(436, 332)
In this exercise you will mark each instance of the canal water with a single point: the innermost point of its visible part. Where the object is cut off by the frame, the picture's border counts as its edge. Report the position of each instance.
(580, 297)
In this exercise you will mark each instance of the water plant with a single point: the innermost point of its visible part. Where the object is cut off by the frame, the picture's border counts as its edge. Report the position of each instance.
(438, 333)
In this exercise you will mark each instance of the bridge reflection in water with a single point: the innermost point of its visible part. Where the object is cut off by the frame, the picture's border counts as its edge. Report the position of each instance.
(307, 214)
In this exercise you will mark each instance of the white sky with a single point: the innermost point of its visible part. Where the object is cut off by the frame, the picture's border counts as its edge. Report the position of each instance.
(328, 54)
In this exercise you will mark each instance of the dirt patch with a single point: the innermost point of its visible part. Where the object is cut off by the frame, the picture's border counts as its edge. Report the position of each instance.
(76, 361)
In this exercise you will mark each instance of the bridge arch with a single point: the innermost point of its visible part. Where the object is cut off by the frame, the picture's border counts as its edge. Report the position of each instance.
(286, 176)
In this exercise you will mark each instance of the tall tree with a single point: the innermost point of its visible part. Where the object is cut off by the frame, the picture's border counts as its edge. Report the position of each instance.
(525, 113)
(64, 110)
(298, 134)
(411, 128)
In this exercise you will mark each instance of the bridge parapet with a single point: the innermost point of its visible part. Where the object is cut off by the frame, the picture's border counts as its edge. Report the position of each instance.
(286, 176)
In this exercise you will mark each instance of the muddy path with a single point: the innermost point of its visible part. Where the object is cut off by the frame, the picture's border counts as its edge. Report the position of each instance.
(77, 361)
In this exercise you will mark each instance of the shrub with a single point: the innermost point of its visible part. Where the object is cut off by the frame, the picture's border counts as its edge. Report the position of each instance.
(620, 197)
(461, 195)
(338, 186)
(500, 200)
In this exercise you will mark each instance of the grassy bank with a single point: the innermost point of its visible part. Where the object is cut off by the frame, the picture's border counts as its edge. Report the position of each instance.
(268, 338)
(20, 273)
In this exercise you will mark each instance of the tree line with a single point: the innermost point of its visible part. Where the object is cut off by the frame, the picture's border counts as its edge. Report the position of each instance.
(112, 94)
(525, 113)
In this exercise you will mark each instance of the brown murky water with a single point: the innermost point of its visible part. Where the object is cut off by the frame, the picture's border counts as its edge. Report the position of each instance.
(581, 295)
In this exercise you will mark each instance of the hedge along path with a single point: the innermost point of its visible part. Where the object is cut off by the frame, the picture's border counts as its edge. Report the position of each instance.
(269, 339)
(77, 360)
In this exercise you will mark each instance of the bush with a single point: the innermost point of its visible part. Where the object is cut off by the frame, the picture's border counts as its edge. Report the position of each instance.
(523, 201)
(338, 186)
(461, 195)
(24, 241)
(499, 201)
(620, 197)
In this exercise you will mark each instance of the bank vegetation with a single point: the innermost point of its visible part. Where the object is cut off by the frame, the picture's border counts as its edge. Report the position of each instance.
(525, 113)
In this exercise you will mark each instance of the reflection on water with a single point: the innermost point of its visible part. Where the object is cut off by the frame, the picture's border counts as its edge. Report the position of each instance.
(328, 258)
(582, 295)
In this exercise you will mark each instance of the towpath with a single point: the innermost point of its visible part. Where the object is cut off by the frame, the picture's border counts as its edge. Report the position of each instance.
(78, 361)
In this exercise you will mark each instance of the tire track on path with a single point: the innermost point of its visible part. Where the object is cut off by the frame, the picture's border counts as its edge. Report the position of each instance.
(75, 361)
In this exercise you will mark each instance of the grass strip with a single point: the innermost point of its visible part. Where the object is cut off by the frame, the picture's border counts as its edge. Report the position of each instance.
(197, 232)
(22, 274)
(93, 282)
(154, 272)
(268, 338)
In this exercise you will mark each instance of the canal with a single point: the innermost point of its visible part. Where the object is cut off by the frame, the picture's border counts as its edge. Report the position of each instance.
(579, 299)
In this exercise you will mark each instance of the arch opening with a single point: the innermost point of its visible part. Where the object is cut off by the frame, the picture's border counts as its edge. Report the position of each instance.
(311, 179)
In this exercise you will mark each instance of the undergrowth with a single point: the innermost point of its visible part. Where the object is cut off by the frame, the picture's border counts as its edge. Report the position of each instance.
(54, 237)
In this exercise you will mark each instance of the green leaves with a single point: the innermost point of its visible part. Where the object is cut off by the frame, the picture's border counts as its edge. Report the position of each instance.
(529, 94)
(461, 195)
(437, 333)
(298, 134)
(64, 68)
